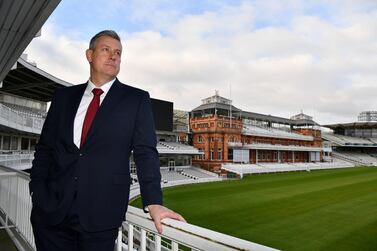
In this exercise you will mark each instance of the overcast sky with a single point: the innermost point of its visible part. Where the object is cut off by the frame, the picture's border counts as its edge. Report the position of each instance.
(272, 57)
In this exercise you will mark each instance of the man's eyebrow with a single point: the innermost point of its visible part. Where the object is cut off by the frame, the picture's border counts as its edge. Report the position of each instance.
(108, 46)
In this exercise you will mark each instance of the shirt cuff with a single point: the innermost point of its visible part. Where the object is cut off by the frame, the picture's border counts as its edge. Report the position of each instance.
(146, 209)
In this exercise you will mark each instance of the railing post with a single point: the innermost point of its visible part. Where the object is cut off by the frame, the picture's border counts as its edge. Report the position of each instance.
(143, 240)
(130, 237)
(119, 239)
(8, 204)
(174, 246)
(18, 196)
(158, 242)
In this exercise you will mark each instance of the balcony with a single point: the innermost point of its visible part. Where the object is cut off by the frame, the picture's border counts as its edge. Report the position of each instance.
(234, 144)
(14, 120)
(19, 161)
(274, 147)
(137, 232)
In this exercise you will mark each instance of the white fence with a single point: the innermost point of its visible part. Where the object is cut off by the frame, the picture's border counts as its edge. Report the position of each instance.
(244, 169)
(15, 208)
(12, 119)
(176, 235)
(19, 161)
(137, 233)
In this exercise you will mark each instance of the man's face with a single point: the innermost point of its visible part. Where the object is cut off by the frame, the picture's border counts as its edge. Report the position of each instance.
(105, 59)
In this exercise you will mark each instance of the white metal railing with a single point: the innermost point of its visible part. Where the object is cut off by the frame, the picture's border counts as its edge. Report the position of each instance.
(138, 231)
(13, 119)
(15, 208)
(177, 235)
(264, 146)
(235, 144)
(352, 159)
(243, 169)
(19, 161)
(273, 132)
(163, 150)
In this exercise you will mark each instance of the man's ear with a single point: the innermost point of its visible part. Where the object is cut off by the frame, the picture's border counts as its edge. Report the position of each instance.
(89, 55)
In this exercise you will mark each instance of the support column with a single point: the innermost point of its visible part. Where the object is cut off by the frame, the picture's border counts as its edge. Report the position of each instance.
(293, 156)
(256, 156)
(19, 143)
(279, 159)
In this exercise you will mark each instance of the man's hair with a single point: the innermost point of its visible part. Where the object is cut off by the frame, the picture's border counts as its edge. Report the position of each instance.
(108, 33)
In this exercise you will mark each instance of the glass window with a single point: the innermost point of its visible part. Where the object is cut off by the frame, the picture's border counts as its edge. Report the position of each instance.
(14, 144)
(24, 144)
(200, 139)
(33, 142)
(6, 143)
(163, 161)
(230, 154)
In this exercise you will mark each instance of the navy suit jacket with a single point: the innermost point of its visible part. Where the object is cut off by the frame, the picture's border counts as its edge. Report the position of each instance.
(98, 173)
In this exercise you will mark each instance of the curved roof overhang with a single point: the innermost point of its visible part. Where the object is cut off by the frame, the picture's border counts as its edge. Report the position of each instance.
(20, 22)
(26, 80)
(353, 125)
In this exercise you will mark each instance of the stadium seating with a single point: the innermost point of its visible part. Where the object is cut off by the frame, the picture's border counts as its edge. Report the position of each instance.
(25, 111)
(244, 169)
(175, 147)
(183, 175)
(273, 132)
(197, 173)
(188, 173)
(347, 140)
(373, 140)
(356, 157)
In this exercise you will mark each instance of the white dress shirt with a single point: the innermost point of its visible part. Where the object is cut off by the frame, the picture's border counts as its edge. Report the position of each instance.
(84, 104)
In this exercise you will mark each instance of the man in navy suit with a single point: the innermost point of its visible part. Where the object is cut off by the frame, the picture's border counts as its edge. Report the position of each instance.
(80, 178)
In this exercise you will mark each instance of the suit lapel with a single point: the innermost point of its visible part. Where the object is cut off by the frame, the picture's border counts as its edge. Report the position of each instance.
(113, 97)
(72, 107)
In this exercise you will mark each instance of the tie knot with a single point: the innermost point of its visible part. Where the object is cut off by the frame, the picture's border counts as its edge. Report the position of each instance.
(97, 91)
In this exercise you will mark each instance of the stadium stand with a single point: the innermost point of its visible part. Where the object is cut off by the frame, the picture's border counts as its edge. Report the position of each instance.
(172, 176)
(187, 173)
(354, 142)
(373, 140)
(175, 147)
(14, 119)
(253, 130)
(245, 169)
(356, 157)
(18, 161)
(180, 176)
(25, 111)
(197, 173)
(343, 140)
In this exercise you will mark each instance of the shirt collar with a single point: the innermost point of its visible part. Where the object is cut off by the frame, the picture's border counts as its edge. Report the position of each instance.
(105, 87)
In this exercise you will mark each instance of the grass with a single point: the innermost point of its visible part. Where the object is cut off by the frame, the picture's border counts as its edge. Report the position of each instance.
(6, 243)
(318, 210)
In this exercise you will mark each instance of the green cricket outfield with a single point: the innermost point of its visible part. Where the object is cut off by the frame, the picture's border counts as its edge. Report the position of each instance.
(318, 210)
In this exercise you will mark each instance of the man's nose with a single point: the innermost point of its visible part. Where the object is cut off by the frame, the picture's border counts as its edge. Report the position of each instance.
(112, 54)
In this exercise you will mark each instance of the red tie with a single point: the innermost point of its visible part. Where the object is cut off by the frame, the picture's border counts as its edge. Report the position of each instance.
(90, 113)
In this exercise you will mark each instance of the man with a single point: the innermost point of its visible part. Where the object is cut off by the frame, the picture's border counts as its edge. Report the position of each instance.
(80, 177)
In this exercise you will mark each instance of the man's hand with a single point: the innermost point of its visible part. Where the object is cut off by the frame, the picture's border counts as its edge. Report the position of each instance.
(158, 213)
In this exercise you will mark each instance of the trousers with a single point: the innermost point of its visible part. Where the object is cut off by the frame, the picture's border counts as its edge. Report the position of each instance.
(70, 236)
